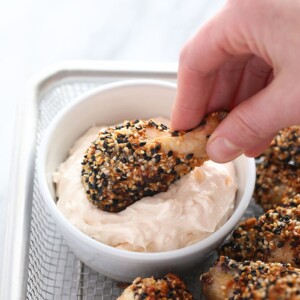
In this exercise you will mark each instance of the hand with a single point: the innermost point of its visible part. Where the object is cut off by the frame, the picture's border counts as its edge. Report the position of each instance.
(245, 60)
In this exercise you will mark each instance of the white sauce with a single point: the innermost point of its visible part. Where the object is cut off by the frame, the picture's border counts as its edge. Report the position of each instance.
(194, 207)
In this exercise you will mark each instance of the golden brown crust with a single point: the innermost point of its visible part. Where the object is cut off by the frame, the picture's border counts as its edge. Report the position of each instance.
(278, 169)
(285, 147)
(274, 182)
(274, 237)
(168, 288)
(141, 158)
(229, 279)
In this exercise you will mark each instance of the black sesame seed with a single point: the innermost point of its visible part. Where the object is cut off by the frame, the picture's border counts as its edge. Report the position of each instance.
(295, 243)
(143, 296)
(158, 147)
(91, 185)
(178, 161)
(151, 123)
(103, 175)
(236, 235)
(297, 261)
(236, 247)
(160, 171)
(157, 158)
(123, 177)
(153, 151)
(277, 230)
(170, 153)
(189, 156)
(237, 291)
(147, 158)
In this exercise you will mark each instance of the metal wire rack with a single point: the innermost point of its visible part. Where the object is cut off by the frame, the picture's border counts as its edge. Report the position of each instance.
(53, 270)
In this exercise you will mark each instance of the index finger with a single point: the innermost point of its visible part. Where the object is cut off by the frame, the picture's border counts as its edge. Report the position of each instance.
(199, 62)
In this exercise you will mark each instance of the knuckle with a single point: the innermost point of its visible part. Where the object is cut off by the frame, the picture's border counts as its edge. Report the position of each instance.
(259, 68)
(235, 64)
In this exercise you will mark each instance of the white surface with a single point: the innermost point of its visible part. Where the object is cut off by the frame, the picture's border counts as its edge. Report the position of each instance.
(35, 34)
(146, 99)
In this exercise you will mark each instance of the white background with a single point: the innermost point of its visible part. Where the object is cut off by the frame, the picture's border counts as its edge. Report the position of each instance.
(35, 34)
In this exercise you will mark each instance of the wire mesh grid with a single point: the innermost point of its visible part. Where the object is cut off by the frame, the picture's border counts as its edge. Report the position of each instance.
(53, 271)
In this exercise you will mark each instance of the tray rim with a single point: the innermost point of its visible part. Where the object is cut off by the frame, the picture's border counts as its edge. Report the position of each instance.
(18, 210)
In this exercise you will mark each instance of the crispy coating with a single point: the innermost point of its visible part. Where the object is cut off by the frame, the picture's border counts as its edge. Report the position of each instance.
(278, 169)
(274, 237)
(141, 158)
(285, 147)
(274, 182)
(168, 288)
(247, 280)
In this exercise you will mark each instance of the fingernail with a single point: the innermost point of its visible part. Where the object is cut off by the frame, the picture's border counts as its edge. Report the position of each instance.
(222, 150)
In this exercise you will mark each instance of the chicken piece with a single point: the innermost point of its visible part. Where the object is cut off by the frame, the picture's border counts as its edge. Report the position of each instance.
(278, 169)
(274, 237)
(274, 182)
(170, 287)
(229, 279)
(285, 147)
(141, 158)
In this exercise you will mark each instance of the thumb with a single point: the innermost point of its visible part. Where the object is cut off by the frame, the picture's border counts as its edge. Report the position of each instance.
(250, 126)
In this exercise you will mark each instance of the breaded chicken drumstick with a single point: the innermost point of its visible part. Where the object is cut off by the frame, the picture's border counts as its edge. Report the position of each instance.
(141, 158)
(168, 288)
(229, 279)
(278, 169)
(274, 237)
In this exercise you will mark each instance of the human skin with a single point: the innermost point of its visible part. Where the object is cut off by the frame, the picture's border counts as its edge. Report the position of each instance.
(246, 60)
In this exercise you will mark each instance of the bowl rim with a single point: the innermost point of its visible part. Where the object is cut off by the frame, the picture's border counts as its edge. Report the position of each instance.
(201, 245)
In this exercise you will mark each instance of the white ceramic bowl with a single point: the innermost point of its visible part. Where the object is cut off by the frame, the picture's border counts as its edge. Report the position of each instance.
(112, 104)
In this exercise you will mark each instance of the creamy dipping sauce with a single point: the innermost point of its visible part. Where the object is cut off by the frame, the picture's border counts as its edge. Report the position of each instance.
(193, 207)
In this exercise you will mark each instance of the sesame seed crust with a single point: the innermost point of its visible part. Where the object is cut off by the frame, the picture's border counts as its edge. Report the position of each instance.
(274, 237)
(285, 147)
(168, 288)
(229, 279)
(274, 182)
(137, 159)
(278, 170)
